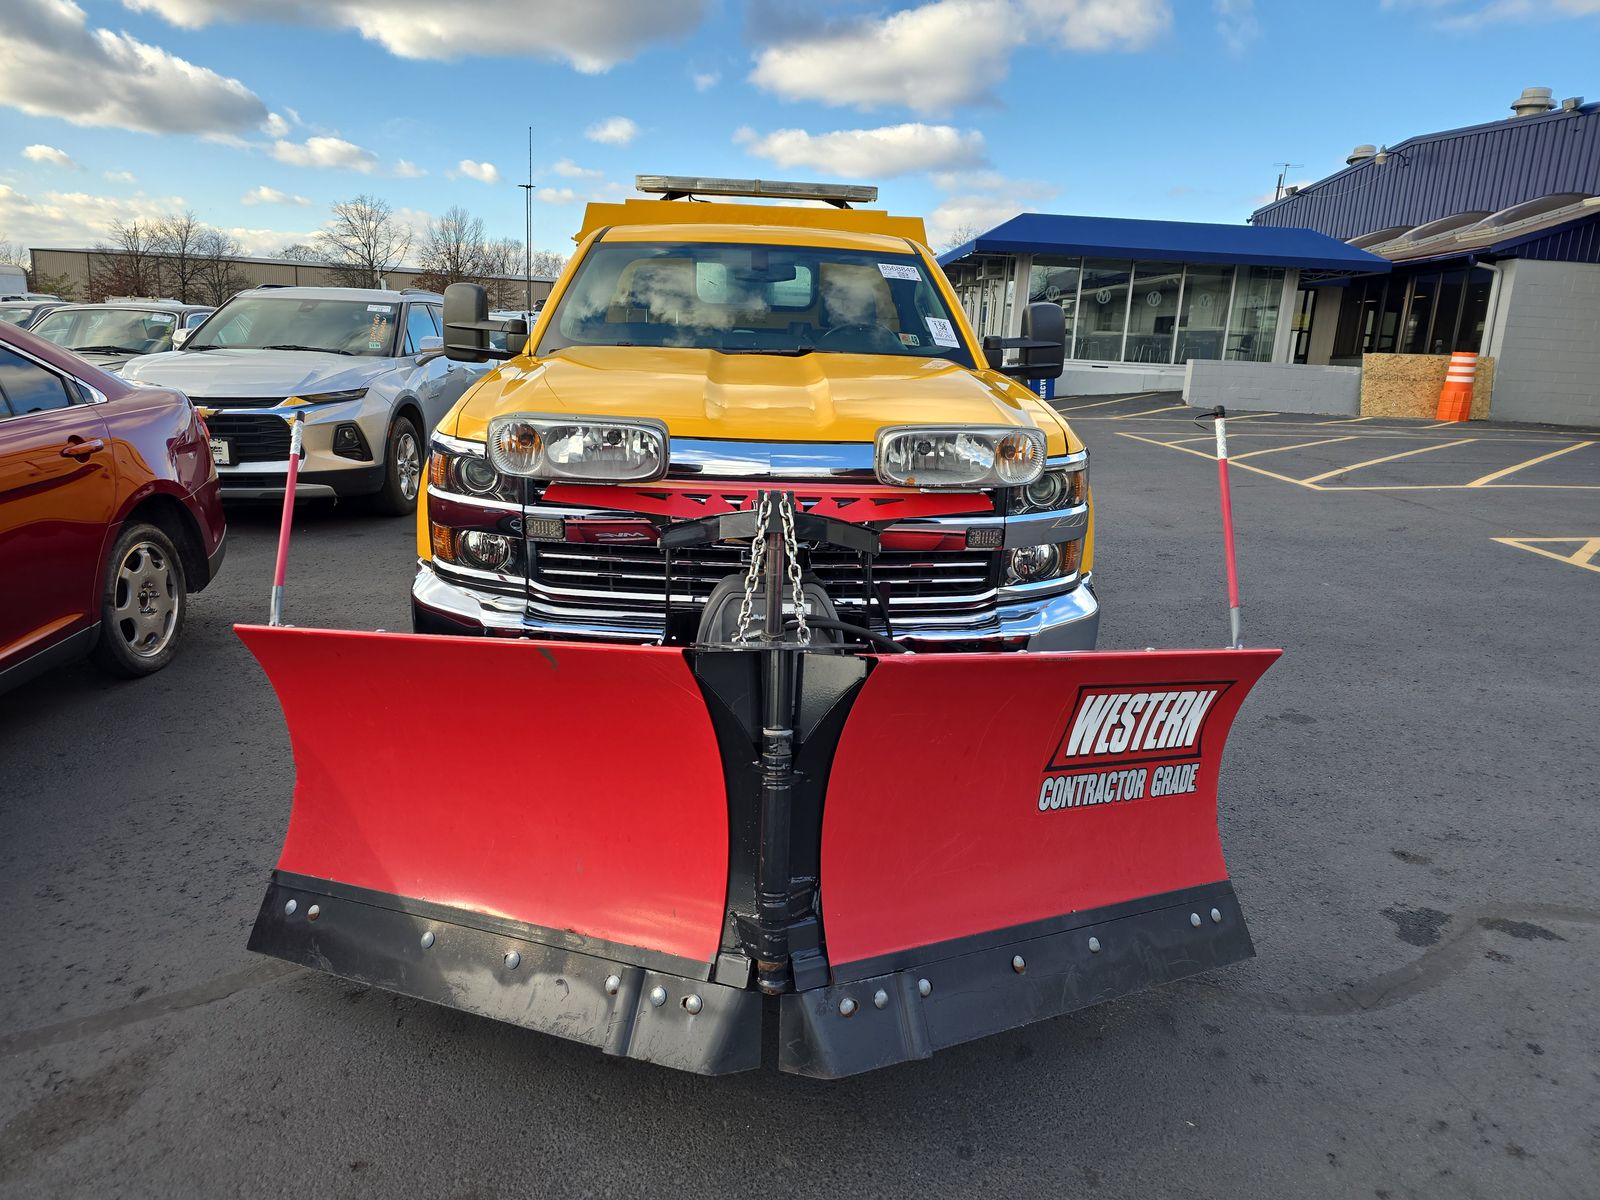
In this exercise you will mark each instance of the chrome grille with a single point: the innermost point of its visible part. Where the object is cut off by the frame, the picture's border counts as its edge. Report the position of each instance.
(626, 584)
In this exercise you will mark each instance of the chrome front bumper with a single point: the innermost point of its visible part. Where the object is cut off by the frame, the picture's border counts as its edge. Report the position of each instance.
(1065, 621)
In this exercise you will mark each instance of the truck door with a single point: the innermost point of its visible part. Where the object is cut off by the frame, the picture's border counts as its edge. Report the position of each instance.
(57, 497)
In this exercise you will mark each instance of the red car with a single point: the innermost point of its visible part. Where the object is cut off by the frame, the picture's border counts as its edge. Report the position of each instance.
(110, 514)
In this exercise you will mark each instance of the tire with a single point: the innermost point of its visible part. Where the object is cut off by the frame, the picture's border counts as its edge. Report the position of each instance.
(402, 469)
(144, 599)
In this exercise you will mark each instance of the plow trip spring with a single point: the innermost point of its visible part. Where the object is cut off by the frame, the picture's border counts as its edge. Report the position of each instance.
(656, 849)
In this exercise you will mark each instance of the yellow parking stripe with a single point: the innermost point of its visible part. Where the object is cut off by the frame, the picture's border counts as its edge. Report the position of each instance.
(1582, 557)
(1372, 462)
(1149, 412)
(1504, 471)
(1349, 437)
(1103, 403)
(1209, 457)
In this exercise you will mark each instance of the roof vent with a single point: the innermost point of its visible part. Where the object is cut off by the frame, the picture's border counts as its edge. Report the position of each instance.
(1572, 104)
(1291, 189)
(1360, 154)
(1532, 102)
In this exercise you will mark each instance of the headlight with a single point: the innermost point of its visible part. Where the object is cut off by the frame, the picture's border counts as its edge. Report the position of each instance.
(328, 397)
(469, 475)
(1050, 560)
(481, 549)
(585, 449)
(1057, 488)
(960, 457)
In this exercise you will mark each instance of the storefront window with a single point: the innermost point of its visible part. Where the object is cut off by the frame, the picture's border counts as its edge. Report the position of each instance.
(1153, 312)
(1056, 280)
(1424, 290)
(1205, 312)
(1104, 311)
(1394, 303)
(1446, 311)
(1254, 323)
(1474, 310)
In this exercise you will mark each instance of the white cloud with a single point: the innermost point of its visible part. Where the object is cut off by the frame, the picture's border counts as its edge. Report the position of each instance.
(275, 126)
(980, 200)
(120, 176)
(704, 81)
(1236, 23)
(406, 169)
(560, 195)
(592, 36)
(613, 131)
(876, 153)
(333, 152)
(74, 218)
(52, 64)
(270, 195)
(483, 172)
(889, 60)
(41, 153)
(568, 169)
(1473, 14)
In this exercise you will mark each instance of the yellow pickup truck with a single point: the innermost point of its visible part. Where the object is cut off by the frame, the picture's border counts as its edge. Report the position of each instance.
(696, 352)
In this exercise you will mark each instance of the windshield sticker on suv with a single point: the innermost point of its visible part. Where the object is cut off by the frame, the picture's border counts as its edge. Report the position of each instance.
(383, 308)
(910, 339)
(378, 331)
(944, 333)
(896, 271)
(161, 318)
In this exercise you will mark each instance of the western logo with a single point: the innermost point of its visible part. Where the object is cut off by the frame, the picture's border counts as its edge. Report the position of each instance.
(1108, 725)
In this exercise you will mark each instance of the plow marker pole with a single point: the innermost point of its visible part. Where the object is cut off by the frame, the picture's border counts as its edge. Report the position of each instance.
(282, 565)
(1220, 416)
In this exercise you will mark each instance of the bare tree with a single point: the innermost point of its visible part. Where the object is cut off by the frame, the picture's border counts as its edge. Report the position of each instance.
(548, 263)
(301, 253)
(217, 274)
(177, 241)
(13, 254)
(959, 236)
(130, 265)
(363, 241)
(502, 269)
(453, 251)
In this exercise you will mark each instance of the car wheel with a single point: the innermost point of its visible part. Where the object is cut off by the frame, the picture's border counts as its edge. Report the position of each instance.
(402, 469)
(142, 604)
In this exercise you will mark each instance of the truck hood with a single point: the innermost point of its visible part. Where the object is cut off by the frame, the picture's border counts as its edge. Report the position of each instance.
(275, 373)
(755, 397)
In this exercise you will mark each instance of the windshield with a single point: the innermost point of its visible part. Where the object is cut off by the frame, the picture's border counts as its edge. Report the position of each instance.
(109, 330)
(287, 323)
(15, 314)
(754, 299)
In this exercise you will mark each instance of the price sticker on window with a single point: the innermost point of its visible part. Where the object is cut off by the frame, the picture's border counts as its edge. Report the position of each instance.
(897, 271)
(942, 332)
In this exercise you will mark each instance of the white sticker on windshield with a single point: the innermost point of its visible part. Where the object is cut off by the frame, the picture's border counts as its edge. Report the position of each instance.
(896, 271)
(383, 308)
(944, 333)
(162, 318)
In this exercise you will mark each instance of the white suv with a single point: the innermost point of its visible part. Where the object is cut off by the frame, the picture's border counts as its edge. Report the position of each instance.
(363, 367)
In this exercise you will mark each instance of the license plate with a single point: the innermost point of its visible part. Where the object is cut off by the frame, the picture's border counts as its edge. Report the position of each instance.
(221, 452)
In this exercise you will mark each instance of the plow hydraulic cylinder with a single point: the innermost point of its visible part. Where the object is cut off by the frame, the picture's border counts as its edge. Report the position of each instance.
(777, 775)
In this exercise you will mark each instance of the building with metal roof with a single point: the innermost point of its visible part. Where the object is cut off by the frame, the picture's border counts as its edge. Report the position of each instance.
(1492, 233)
(1143, 298)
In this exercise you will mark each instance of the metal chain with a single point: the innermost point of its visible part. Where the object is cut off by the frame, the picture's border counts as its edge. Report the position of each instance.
(791, 549)
(758, 559)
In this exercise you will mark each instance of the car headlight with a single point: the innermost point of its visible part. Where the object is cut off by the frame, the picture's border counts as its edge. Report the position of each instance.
(481, 549)
(470, 475)
(581, 449)
(967, 457)
(328, 397)
(1049, 560)
(1057, 488)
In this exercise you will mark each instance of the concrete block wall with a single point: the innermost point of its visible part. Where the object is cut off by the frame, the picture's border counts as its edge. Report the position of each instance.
(1547, 343)
(1273, 387)
(1080, 379)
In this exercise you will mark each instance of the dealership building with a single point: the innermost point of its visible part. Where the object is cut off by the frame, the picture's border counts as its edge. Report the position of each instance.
(1344, 295)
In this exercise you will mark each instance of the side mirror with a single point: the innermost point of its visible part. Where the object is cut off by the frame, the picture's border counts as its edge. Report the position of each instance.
(180, 336)
(426, 345)
(467, 327)
(1043, 344)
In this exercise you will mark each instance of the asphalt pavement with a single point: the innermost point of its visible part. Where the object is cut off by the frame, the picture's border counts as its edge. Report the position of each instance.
(1408, 815)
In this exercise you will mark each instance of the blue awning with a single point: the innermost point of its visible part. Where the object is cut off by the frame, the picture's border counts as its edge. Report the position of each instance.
(1169, 241)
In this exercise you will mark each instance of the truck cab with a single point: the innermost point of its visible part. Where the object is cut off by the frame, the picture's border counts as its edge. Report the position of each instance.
(694, 354)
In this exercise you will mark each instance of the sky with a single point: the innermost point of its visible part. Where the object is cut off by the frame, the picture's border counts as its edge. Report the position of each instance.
(260, 114)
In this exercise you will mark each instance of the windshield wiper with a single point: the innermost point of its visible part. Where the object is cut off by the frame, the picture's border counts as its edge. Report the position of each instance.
(107, 350)
(312, 349)
(782, 353)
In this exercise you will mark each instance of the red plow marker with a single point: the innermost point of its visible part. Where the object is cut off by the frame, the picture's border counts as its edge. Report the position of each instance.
(655, 849)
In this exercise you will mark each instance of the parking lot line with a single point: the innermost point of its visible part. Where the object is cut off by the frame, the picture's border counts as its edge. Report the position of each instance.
(1583, 556)
(1372, 462)
(1504, 471)
(1148, 412)
(1103, 403)
(1213, 458)
(1349, 437)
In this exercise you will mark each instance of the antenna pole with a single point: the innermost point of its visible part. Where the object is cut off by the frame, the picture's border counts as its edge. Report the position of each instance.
(527, 243)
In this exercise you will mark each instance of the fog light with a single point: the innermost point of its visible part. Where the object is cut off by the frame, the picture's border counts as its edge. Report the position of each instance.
(485, 551)
(348, 442)
(1030, 564)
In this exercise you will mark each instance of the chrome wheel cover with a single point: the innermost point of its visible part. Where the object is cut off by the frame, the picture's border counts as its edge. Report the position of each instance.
(144, 600)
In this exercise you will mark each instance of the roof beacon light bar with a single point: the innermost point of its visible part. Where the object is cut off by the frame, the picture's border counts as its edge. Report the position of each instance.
(678, 187)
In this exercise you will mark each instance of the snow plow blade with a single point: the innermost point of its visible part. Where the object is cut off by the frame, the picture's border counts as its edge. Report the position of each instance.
(580, 839)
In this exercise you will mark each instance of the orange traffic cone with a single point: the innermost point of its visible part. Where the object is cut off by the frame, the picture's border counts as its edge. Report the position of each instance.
(1455, 398)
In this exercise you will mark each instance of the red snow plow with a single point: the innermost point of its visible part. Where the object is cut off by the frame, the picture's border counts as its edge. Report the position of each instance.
(655, 849)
